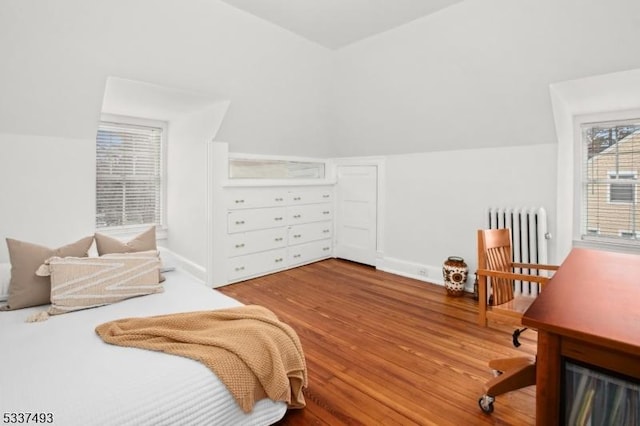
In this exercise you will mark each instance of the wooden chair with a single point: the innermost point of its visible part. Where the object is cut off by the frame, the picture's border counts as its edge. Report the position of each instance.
(500, 303)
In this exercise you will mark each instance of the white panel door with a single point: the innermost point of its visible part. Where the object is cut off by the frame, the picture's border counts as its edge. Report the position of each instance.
(356, 213)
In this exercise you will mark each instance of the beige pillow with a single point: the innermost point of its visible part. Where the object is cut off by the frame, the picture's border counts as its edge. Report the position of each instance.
(81, 283)
(145, 241)
(26, 288)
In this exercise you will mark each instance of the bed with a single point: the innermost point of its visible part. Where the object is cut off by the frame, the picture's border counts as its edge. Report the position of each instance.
(62, 367)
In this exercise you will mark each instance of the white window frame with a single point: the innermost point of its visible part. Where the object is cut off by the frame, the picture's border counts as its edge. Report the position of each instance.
(161, 228)
(595, 241)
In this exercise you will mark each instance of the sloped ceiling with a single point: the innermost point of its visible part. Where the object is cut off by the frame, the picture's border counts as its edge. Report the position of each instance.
(337, 23)
(144, 100)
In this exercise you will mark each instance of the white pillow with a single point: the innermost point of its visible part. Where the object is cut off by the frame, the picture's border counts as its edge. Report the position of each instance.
(5, 278)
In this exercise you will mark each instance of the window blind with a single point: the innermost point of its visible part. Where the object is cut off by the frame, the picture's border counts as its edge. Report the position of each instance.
(128, 175)
(611, 165)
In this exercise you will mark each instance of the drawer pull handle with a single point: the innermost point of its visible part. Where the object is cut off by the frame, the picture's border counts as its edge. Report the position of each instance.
(297, 236)
(325, 231)
(279, 239)
(325, 195)
(240, 268)
(279, 260)
(239, 222)
(326, 212)
(239, 201)
(296, 256)
(239, 245)
(326, 248)
(277, 218)
(297, 216)
(297, 198)
(279, 199)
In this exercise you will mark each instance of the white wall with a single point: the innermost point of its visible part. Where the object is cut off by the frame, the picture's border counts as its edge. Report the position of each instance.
(607, 97)
(566, 174)
(476, 74)
(470, 76)
(47, 198)
(436, 201)
(57, 56)
(187, 182)
(193, 120)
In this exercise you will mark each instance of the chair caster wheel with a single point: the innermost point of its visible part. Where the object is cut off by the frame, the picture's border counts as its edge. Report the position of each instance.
(486, 403)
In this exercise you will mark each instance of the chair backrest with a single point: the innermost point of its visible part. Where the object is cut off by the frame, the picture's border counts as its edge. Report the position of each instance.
(494, 252)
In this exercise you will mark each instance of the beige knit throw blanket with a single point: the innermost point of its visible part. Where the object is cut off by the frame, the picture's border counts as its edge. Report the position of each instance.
(247, 347)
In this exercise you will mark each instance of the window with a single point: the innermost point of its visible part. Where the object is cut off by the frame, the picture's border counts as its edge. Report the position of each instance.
(243, 168)
(129, 174)
(610, 166)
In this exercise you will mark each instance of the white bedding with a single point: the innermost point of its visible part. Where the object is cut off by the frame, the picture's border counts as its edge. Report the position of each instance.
(61, 366)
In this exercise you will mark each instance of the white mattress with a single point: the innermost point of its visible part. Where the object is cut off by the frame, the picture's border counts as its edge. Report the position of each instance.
(61, 366)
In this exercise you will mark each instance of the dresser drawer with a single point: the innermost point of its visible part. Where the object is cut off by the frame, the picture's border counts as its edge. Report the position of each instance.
(309, 252)
(252, 219)
(299, 234)
(309, 213)
(311, 196)
(255, 241)
(255, 198)
(255, 264)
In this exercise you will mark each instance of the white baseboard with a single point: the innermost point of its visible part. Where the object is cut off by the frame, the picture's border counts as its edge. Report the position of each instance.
(417, 271)
(427, 273)
(432, 274)
(171, 259)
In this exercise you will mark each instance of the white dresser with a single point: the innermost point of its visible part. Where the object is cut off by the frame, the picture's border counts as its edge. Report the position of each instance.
(270, 229)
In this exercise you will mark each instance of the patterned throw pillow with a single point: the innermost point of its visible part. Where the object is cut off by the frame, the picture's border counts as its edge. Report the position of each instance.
(81, 283)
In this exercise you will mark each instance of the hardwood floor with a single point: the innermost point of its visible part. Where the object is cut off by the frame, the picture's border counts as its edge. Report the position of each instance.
(384, 349)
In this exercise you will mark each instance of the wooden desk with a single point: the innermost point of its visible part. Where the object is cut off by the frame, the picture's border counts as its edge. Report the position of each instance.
(589, 312)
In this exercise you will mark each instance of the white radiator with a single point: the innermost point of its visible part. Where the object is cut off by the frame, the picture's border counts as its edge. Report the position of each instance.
(529, 238)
